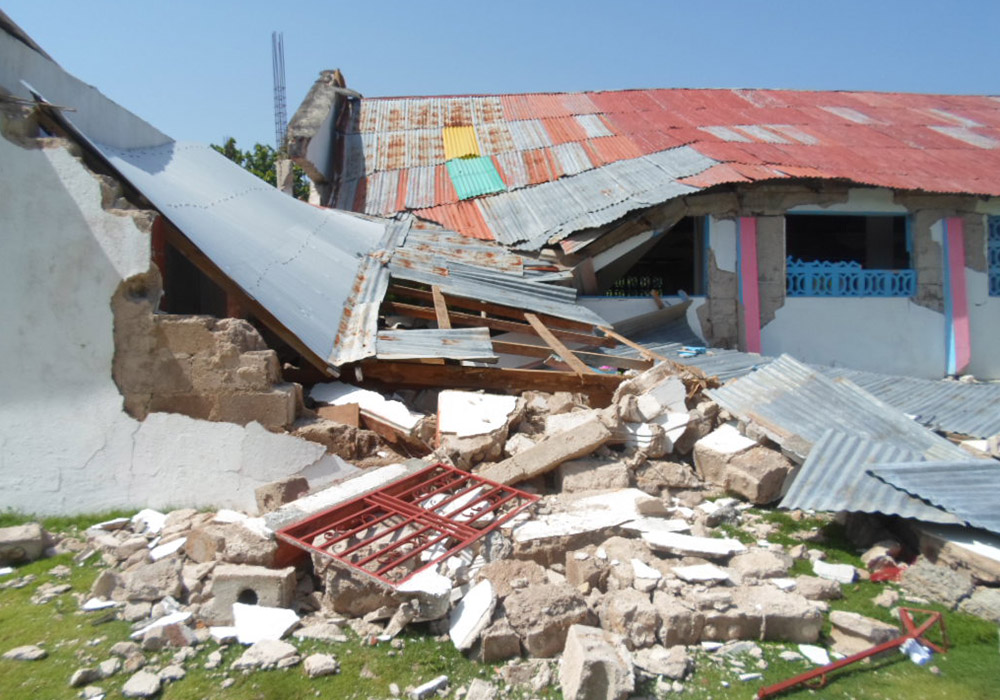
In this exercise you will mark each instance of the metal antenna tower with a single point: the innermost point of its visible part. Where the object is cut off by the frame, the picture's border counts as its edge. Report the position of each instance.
(278, 66)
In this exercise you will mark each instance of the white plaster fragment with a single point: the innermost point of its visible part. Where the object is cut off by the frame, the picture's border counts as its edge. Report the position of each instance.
(842, 573)
(466, 413)
(785, 584)
(711, 646)
(6, 570)
(149, 520)
(688, 544)
(643, 570)
(165, 550)
(727, 440)
(223, 634)
(817, 655)
(395, 412)
(170, 619)
(427, 581)
(701, 573)
(472, 614)
(97, 604)
(254, 623)
(641, 525)
(589, 514)
(111, 525)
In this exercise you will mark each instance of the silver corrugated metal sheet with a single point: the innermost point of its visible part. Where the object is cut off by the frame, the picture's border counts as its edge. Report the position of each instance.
(454, 247)
(456, 344)
(300, 262)
(571, 158)
(969, 409)
(593, 125)
(967, 490)
(795, 404)
(515, 172)
(529, 134)
(834, 478)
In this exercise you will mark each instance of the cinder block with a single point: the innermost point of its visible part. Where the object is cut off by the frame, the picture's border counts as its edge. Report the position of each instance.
(250, 585)
(272, 409)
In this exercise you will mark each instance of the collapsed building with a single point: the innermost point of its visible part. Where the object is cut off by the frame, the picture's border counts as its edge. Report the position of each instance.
(166, 310)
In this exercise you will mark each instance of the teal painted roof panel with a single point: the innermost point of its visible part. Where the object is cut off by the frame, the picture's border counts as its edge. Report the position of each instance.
(473, 177)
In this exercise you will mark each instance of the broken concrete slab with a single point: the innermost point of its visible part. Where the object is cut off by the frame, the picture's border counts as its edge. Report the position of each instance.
(250, 585)
(278, 493)
(468, 413)
(674, 663)
(267, 654)
(679, 622)
(551, 451)
(852, 632)
(688, 545)
(503, 572)
(731, 461)
(595, 666)
(649, 438)
(656, 476)
(499, 642)
(592, 474)
(472, 615)
(21, 543)
(178, 617)
(155, 581)
(541, 615)
(254, 623)
(388, 410)
(235, 543)
(936, 583)
(818, 588)
(761, 563)
(841, 573)
(430, 591)
(321, 631)
(702, 573)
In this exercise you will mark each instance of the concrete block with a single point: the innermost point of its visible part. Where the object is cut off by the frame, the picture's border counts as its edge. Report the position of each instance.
(852, 632)
(595, 666)
(274, 409)
(713, 452)
(499, 642)
(22, 543)
(550, 452)
(630, 614)
(592, 475)
(250, 585)
(272, 496)
(679, 623)
(542, 615)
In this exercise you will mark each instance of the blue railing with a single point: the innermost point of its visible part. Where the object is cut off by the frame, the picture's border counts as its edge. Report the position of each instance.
(846, 279)
(994, 251)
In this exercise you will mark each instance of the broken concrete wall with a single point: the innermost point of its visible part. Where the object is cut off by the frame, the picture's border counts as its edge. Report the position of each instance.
(200, 366)
(311, 132)
(66, 445)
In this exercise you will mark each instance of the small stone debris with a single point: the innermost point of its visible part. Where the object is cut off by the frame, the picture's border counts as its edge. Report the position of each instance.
(595, 665)
(841, 573)
(142, 685)
(29, 652)
(422, 692)
(84, 676)
(267, 654)
(317, 665)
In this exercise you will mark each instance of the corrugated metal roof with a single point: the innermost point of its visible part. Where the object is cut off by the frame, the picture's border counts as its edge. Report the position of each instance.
(474, 176)
(452, 344)
(460, 142)
(794, 405)
(935, 143)
(966, 490)
(834, 478)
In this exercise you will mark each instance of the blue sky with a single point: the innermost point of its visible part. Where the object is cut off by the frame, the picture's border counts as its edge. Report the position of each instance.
(202, 70)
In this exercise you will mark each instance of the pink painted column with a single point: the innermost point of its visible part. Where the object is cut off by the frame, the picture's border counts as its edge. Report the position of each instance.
(749, 288)
(957, 300)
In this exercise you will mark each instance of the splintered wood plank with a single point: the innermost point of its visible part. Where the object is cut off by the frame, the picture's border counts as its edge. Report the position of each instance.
(457, 302)
(564, 352)
(644, 351)
(440, 308)
(598, 387)
(594, 358)
(462, 319)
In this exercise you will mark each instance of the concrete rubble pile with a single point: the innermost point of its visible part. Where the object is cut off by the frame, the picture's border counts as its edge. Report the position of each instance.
(624, 570)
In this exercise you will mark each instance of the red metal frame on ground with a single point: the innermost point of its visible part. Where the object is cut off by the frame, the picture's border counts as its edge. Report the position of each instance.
(912, 632)
(409, 525)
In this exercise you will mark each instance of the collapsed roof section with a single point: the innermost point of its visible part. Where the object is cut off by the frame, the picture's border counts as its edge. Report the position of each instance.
(530, 169)
(318, 276)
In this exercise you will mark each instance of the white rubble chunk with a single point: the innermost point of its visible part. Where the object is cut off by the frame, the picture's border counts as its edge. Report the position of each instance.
(562, 422)
(97, 604)
(842, 573)
(339, 394)
(648, 437)
(267, 653)
(726, 440)
(142, 685)
(254, 623)
(641, 525)
(673, 424)
(595, 665)
(815, 654)
(589, 514)
(427, 581)
(711, 646)
(472, 615)
(6, 570)
(670, 394)
(225, 515)
(701, 573)
(649, 407)
(467, 413)
(223, 634)
(148, 520)
(784, 584)
(431, 687)
(110, 525)
(165, 550)
(690, 545)
(643, 570)
(171, 619)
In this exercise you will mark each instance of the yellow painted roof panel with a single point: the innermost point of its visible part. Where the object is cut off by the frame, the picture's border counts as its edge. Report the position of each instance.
(460, 142)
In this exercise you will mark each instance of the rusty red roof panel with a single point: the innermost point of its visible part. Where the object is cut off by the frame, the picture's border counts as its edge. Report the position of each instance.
(716, 175)
(564, 130)
(463, 217)
(612, 148)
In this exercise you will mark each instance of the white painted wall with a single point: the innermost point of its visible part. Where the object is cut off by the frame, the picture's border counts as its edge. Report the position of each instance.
(722, 242)
(66, 446)
(890, 335)
(984, 326)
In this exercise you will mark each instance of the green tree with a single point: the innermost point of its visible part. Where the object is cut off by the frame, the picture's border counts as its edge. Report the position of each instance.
(260, 161)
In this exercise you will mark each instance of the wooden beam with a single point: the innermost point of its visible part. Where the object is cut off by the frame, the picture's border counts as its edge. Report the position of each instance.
(440, 308)
(593, 358)
(461, 319)
(182, 243)
(656, 298)
(495, 309)
(564, 352)
(645, 352)
(599, 387)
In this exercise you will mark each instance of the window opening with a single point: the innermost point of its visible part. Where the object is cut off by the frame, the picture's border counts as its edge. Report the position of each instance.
(848, 255)
(676, 263)
(993, 253)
